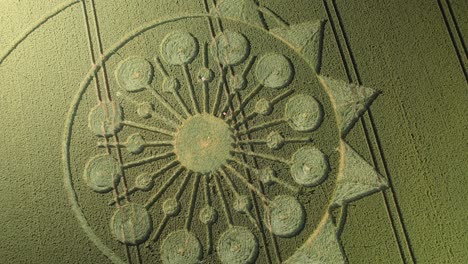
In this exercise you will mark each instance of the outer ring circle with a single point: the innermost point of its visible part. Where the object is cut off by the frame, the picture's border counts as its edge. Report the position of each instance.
(70, 119)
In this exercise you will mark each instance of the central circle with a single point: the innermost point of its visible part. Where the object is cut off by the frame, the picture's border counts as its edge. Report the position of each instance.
(203, 143)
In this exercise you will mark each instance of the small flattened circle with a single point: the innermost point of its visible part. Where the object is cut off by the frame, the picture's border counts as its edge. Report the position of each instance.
(131, 224)
(275, 140)
(105, 119)
(242, 204)
(274, 71)
(304, 113)
(135, 143)
(208, 215)
(144, 182)
(287, 216)
(170, 85)
(179, 48)
(171, 207)
(237, 245)
(205, 75)
(134, 74)
(181, 247)
(237, 82)
(230, 48)
(263, 107)
(267, 176)
(309, 166)
(102, 173)
(145, 110)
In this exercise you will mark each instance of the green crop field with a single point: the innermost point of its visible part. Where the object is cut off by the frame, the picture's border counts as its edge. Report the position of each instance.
(233, 131)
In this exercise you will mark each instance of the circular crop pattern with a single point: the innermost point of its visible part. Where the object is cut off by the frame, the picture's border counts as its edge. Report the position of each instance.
(211, 148)
(309, 166)
(181, 247)
(304, 113)
(208, 215)
(131, 224)
(230, 48)
(287, 216)
(237, 246)
(105, 119)
(134, 74)
(102, 173)
(179, 48)
(274, 71)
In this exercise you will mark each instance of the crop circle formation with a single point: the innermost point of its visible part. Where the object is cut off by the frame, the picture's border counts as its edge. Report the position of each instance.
(215, 134)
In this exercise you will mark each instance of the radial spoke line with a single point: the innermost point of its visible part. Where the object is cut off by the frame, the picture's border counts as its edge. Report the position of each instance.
(218, 96)
(209, 239)
(223, 201)
(261, 155)
(227, 105)
(148, 128)
(164, 169)
(207, 190)
(153, 113)
(163, 101)
(206, 96)
(110, 145)
(161, 67)
(245, 120)
(182, 104)
(281, 96)
(262, 126)
(163, 188)
(299, 140)
(229, 181)
(188, 79)
(152, 176)
(166, 185)
(264, 141)
(147, 144)
(248, 184)
(249, 117)
(161, 226)
(182, 188)
(159, 143)
(243, 164)
(273, 102)
(247, 99)
(209, 235)
(206, 85)
(283, 183)
(229, 97)
(247, 68)
(157, 234)
(147, 160)
(193, 199)
(164, 119)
